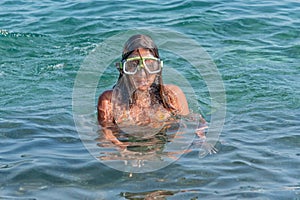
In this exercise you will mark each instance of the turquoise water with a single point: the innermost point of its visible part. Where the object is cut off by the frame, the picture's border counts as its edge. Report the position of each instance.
(256, 47)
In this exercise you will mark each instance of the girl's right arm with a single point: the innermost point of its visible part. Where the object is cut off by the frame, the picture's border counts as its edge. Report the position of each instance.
(105, 117)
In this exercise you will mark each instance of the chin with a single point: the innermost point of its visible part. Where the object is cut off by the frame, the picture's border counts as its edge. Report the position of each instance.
(143, 88)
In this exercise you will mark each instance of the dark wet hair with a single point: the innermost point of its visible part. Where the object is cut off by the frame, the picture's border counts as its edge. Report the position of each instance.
(157, 90)
(139, 41)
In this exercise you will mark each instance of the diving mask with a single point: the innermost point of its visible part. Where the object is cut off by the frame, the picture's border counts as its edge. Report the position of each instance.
(132, 65)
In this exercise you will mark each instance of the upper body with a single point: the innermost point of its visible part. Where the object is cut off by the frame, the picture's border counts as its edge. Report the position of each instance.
(139, 97)
(175, 94)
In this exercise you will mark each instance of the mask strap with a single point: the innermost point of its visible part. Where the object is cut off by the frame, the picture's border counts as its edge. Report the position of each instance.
(138, 50)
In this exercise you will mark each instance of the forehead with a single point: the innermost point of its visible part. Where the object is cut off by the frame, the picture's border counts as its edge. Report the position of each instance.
(143, 52)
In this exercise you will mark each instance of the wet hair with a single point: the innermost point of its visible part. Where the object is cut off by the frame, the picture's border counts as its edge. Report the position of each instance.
(124, 83)
(139, 42)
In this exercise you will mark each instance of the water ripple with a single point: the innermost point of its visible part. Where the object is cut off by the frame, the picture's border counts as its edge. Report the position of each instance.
(255, 46)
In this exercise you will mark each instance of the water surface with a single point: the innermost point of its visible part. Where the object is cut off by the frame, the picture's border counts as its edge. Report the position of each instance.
(255, 46)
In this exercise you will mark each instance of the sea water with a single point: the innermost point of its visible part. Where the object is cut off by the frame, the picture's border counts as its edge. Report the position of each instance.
(255, 46)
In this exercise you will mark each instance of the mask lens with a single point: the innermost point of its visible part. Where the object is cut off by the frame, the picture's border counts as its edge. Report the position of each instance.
(152, 65)
(130, 67)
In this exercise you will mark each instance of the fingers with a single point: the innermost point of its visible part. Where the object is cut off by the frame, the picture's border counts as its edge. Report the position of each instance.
(202, 128)
(209, 148)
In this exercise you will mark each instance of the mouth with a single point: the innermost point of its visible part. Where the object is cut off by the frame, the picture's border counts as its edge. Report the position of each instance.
(142, 83)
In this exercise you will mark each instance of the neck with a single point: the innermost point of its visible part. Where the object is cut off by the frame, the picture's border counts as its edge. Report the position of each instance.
(143, 98)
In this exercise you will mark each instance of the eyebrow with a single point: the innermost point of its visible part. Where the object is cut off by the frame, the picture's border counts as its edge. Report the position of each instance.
(136, 54)
(143, 57)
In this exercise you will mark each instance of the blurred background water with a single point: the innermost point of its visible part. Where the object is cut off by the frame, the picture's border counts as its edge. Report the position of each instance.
(256, 47)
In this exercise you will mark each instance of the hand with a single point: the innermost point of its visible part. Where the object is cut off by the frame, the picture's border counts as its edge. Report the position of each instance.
(209, 148)
(200, 132)
(206, 147)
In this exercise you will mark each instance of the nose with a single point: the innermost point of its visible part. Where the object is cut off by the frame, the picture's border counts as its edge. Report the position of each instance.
(141, 71)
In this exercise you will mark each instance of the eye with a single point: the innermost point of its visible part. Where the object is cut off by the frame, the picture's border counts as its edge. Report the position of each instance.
(152, 64)
(131, 65)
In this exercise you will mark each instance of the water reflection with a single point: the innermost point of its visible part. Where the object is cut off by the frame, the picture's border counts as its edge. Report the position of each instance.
(137, 155)
(157, 194)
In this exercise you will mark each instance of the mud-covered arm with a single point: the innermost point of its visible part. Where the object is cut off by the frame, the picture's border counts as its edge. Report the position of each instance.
(105, 117)
(179, 102)
(104, 108)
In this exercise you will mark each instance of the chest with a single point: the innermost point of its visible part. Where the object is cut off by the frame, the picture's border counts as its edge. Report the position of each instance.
(151, 116)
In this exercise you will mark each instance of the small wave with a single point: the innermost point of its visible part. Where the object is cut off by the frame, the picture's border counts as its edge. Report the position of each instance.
(3, 32)
(7, 33)
(56, 66)
(50, 68)
(1, 74)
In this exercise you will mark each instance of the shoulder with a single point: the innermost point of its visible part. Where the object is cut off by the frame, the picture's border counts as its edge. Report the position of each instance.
(104, 100)
(175, 91)
(178, 98)
(173, 88)
(106, 95)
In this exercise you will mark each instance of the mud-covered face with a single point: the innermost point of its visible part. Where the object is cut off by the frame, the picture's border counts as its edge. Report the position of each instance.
(147, 69)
